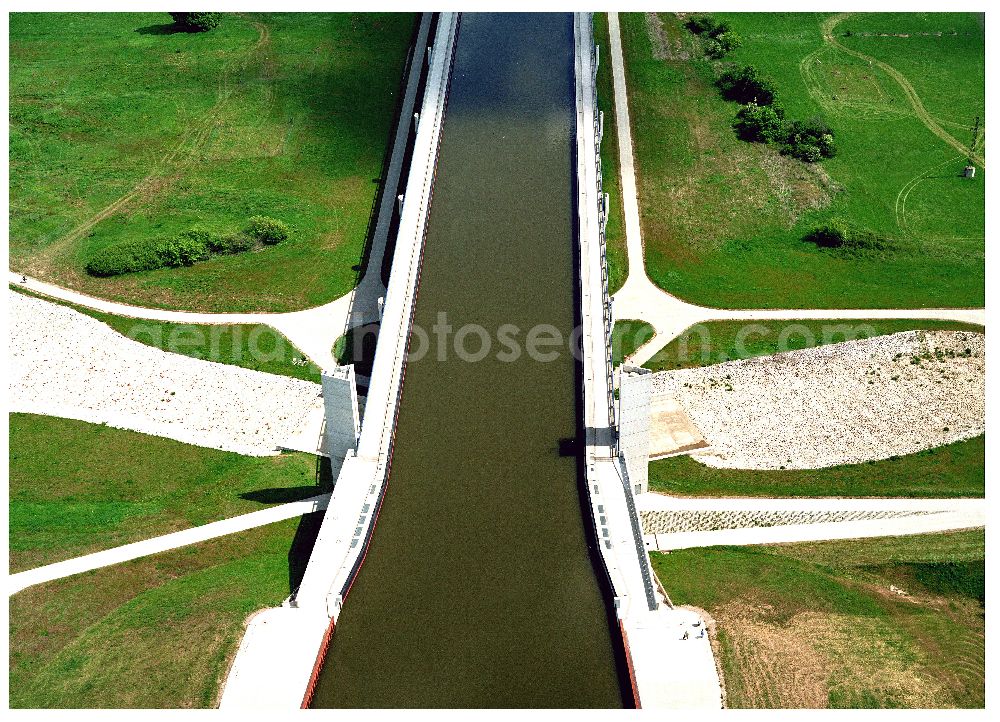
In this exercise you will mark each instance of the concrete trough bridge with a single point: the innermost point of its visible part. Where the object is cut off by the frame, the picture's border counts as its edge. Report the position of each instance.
(506, 567)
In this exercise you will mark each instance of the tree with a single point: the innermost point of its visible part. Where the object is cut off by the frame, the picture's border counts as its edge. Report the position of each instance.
(759, 123)
(196, 22)
(746, 85)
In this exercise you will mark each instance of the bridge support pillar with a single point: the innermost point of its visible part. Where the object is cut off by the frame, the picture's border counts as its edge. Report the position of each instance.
(634, 392)
(343, 423)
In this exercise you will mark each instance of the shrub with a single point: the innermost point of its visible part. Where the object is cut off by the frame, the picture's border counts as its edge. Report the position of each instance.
(853, 241)
(746, 85)
(701, 24)
(184, 250)
(759, 123)
(234, 243)
(208, 238)
(127, 257)
(719, 46)
(196, 22)
(148, 255)
(808, 141)
(267, 230)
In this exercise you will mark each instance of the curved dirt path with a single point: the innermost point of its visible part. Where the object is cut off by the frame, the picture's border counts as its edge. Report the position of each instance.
(932, 125)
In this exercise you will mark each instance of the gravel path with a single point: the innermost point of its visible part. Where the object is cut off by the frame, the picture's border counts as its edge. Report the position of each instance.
(844, 403)
(63, 363)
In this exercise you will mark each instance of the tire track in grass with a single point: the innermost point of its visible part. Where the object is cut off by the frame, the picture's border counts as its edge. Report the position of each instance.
(169, 167)
(932, 125)
(904, 192)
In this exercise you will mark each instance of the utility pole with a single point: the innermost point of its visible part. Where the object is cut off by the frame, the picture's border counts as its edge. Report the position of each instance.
(970, 168)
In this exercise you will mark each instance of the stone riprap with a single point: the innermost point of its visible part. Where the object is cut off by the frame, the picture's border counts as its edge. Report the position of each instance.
(63, 363)
(669, 522)
(844, 403)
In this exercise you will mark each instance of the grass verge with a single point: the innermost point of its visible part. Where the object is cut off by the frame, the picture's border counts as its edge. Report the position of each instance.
(888, 622)
(153, 632)
(627, 336)
(77, 488)
(954, 470)
(720, 341)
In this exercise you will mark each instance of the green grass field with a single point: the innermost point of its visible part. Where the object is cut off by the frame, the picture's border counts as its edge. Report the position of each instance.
(281, 114)
(257, 347)
(824, 624)
(720, 341)
(955, 470)
(154, 632)
(77, 488)
(628, 335)
(723, 220)
(614, 233)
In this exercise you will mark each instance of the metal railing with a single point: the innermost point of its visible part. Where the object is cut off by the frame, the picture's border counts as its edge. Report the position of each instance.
(602, 210)
(388, 440)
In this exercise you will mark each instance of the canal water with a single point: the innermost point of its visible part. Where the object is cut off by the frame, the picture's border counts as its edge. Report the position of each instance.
(478, 589)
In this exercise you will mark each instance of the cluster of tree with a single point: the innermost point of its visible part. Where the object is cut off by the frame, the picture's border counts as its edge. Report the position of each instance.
(762, 118)
(719, 37)
(184, 249)
(196, 22)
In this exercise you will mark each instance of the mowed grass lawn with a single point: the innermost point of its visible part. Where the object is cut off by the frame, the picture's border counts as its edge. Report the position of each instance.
(77, 488)
(278, 114)
(153, 632)
(887, 622)
(720, 341)
(253, 346)
(724, 220)
(954, 470)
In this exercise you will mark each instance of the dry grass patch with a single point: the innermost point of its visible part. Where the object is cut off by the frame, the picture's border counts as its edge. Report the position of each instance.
(891, 622)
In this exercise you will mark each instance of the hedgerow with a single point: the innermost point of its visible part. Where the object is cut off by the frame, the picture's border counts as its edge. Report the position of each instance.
(185, 249)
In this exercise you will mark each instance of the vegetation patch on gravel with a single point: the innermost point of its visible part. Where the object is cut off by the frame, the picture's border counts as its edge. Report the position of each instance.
(78, 488)
(154, 632)
(887, 622)
(955, 470)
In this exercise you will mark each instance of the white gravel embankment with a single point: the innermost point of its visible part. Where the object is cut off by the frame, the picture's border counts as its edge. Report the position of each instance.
(843, 403)
(63, 363)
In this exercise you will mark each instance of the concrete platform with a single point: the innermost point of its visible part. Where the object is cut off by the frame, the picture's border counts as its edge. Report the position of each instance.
(671, 430)
(275, 659)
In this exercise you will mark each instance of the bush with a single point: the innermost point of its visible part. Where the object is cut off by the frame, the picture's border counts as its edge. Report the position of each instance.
(854, 241)
(808, 141)
(746, 85)
(196, 22)
(148, 255)
(127, 257)
(233, 243)
(701, 24)
(759, 123)
(184, 250)
(267, 230)
(722, 44)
